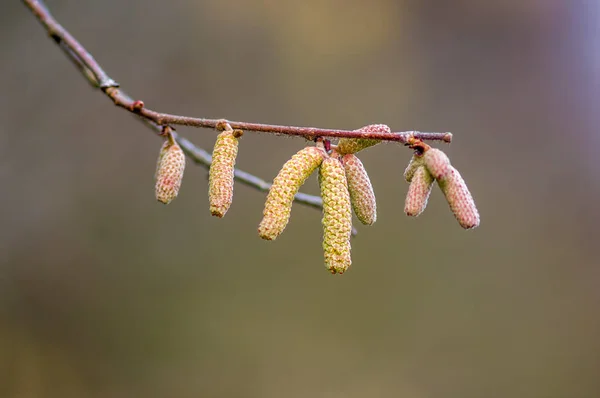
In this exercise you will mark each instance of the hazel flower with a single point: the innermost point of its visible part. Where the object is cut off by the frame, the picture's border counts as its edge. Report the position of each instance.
(459, 198)
(437, 162)
(337, 216)
(169, 171)
(353, 145)
(361, 192)
(415, 162)
(453, 186)
(220, 176)
(285, 186)
(421, 182)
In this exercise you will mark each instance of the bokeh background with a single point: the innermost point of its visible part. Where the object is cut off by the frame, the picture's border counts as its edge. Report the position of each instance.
(105, 293)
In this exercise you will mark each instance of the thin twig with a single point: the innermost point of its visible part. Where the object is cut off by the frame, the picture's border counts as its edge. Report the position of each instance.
(96, 76)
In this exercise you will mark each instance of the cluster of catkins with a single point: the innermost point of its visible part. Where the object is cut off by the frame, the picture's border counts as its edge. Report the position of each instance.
(343, 180)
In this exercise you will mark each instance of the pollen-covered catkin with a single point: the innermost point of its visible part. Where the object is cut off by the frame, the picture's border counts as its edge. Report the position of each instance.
(169, 171)
(459, 198)
(362, 196)
(220, 176)
(418, 192)
(285, 186)
(353, 145)
(337, 216)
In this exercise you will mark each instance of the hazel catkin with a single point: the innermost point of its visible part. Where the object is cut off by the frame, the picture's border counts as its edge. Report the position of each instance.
(421, 182)
(220, 176)
(292, 175)
(361, 192)
(453, 186)
(337, 216)
(353, 145)
(436, 162)
(459, 198)
(415, 162)
(169, 171)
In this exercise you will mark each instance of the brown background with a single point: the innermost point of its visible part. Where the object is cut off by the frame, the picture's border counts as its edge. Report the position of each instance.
(105, 293)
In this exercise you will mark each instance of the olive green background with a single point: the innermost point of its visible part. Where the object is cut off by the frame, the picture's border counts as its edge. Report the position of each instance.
(106, 293)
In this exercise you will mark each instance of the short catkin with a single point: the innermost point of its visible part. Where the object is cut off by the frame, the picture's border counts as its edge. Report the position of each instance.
(459, 198)
(454, 188)
(169, 171)
(285, 186)
(362, 196)
(437, 162)
(220, 176)
(337, 216)
(353, 145)
(415, 162)
(418, 192)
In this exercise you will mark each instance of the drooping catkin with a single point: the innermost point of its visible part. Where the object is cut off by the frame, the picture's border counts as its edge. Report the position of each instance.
(169, 171)
(437, 163)
(459, 198)
(337, 216)
(419, 189)
(415, 162)
(361, 192)
(353, 145)
(220, 176)
(285, 186)
(453, 186)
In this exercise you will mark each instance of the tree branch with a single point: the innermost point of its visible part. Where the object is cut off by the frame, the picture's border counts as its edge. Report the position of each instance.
(98, 78)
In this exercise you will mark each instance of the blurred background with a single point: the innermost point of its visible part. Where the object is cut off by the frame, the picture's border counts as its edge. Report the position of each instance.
(106, 293)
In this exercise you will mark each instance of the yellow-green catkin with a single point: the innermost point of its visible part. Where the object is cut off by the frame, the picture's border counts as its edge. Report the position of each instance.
(169, 171)
(421, 182)
(413, 165)
(337, 215)
(220, 176)
(353, 145)
(285, 186)
(362, 196)
(453, 186)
